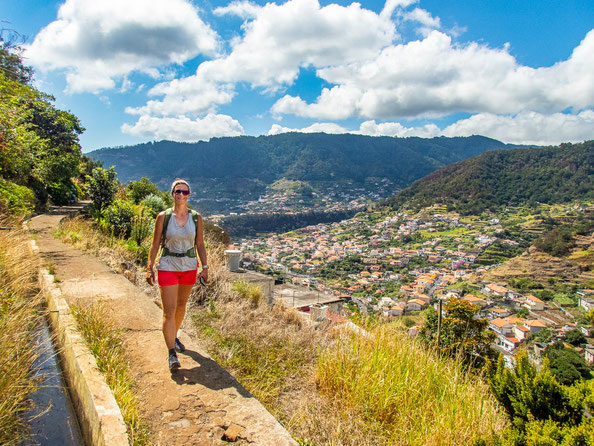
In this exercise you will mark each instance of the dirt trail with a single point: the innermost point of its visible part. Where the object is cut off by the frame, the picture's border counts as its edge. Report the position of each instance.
(198, 403)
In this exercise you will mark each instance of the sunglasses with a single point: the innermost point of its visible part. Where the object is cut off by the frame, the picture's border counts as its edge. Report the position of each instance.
(183, 192)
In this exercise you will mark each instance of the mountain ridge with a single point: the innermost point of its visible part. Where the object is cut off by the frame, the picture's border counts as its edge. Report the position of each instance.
(296, 156)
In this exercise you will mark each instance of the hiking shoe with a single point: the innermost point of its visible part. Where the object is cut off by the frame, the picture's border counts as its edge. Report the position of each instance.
(179, 347)
(173, 362)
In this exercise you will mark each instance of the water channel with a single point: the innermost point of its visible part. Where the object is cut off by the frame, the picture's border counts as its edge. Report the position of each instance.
(53, 419)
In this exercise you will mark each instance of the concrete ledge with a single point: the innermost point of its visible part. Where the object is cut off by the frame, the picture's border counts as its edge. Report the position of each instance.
(100, 417)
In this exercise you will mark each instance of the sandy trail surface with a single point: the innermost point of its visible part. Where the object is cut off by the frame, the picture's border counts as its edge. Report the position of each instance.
(197, 404)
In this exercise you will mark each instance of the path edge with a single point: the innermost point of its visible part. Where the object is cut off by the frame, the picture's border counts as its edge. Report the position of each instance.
(98, 413)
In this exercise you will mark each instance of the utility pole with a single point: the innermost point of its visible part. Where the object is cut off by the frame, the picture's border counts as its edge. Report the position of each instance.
(439, 323)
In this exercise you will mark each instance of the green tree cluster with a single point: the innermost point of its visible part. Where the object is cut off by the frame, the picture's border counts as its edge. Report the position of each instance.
(542, 411)
(40, 147)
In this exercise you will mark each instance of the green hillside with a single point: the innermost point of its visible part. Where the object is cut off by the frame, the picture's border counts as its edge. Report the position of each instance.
(242, 164)
(501, 178)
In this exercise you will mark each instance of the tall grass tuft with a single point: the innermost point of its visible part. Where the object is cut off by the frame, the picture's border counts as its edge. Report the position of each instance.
(105, 343)
(249, 291)
(19, 320)
(406, 393)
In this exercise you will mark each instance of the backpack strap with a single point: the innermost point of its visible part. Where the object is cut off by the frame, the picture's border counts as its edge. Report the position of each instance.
(168, 214)
(195, 217)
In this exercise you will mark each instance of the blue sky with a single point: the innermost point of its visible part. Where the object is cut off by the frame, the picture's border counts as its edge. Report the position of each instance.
(140, 70)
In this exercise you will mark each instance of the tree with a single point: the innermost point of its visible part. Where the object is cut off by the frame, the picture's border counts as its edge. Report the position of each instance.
(566, 364)
(575, 337)
(139, 190)
(39, 142)
(102, 186)
(462, 334)
(528, 394)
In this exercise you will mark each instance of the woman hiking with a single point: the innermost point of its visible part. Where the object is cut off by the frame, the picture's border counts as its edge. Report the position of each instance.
(179, 231)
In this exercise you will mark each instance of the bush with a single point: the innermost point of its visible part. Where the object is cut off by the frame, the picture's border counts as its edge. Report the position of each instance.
(102, 186)
(141, 228)
(139, 190)
(16, 199)
(62, 193)
(118, 217)
(154, 204)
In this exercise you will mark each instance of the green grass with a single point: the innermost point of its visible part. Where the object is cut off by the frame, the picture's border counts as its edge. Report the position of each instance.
(105, 343)
(408, 394)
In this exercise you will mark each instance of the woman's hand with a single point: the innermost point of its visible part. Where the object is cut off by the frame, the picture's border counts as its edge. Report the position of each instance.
(204, 274)
(150, 276)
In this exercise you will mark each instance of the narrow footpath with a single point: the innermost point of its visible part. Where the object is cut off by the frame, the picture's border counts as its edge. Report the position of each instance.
(194, 406)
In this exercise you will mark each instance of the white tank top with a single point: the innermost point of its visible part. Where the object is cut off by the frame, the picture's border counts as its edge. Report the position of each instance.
(179, 239)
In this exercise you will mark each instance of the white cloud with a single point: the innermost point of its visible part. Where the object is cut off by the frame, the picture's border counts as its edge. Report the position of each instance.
(318, 127)
(523, 128)
(97, 42)
(277, 42)
(434, 77)
(371, 128)
(424, 18)
(528, 127)
(183, 128)
(241, 9)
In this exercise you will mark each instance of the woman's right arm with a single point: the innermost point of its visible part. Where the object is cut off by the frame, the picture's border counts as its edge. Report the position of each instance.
(155, 245)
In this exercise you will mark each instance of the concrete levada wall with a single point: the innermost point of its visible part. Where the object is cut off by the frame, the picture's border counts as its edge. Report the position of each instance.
(99, 416)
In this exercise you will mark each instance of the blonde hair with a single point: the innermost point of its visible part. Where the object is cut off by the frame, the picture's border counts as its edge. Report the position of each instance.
(179, 181)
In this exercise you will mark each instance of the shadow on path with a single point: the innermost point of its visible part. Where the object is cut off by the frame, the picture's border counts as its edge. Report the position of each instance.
(208, 374)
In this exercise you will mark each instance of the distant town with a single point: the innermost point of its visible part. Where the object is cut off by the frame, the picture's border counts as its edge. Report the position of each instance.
(399, 264)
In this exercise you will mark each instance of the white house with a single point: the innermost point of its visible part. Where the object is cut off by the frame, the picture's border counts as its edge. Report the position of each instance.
(533, 303)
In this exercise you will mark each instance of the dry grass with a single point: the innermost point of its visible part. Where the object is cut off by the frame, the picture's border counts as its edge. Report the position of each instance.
(105, 343)
(326, 389)
(19, 319)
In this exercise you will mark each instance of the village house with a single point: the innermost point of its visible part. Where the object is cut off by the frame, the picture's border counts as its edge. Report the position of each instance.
(415, 305)
(502, 326)
(472, 299)
(533, 303)
(492, 289)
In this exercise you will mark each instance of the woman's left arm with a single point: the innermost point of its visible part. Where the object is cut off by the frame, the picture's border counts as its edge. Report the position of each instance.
(201, 249)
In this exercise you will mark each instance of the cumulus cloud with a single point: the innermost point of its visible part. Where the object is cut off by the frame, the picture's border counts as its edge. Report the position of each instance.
(523, 128)
(184, 129)
(318, 127)
(99, 41)
(528, 127)
(277, 42)
(435, 77)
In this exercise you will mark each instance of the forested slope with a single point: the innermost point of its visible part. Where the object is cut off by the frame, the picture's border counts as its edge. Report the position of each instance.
(308, 157)
(501, 178)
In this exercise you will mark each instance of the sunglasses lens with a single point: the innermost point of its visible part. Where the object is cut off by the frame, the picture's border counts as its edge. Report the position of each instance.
(183, 192)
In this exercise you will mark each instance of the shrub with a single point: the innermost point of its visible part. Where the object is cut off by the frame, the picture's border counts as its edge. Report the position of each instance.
(16, 199)
(118, 217)
(62, 193)
(102, 186)
(141, 227)
(139, 190)
(154, 204)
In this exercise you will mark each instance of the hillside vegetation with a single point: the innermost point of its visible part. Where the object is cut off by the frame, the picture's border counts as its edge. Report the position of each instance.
(497, 179)
(245, 162)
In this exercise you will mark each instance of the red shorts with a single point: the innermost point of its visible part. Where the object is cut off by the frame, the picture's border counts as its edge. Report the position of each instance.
(168, 278)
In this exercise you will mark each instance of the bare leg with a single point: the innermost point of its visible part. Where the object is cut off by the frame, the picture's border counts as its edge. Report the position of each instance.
(169, 299)
(183, 294)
